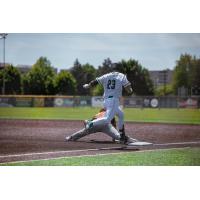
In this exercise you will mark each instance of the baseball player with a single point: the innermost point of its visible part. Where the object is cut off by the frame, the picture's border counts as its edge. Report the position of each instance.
(112, 84)
(109, 129)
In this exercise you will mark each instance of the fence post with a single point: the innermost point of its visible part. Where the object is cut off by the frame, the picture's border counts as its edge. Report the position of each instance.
(177, 100)
(159, 107)
(142, 104)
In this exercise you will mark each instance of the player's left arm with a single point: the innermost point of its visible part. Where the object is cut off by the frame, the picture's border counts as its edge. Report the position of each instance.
(129, 89)
(127, 85)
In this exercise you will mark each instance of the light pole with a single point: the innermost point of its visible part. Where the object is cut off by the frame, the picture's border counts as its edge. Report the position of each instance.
(3, 36)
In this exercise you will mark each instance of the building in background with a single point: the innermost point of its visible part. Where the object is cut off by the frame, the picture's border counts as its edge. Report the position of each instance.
(55, 70)
(2, 65)
(161, 77)
(64, 70)
(24, 68)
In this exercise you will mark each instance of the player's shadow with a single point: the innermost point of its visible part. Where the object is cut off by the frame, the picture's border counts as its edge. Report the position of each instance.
(118, 147)
(113, 147)
(101, 142)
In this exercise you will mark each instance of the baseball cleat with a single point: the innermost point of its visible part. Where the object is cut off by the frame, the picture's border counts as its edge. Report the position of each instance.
(85, 122)
(123, 138)
(115, 141)
(139, 143)
(68, 138)
(130, 140)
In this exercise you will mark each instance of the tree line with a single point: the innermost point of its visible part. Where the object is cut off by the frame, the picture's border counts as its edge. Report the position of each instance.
(42, 79)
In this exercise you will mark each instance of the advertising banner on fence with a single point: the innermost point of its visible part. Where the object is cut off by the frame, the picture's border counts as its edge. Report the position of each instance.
(188, 103)
(97, 101)
(38, 102)
(82, 101)
(132, 102)
(49, 102)
(23, 101)
(7, 102)
(140, 102)
(64, 102)
(150, 102)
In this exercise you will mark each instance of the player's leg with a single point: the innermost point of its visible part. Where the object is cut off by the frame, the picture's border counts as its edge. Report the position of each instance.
(120, 114)
(111, 131)
(110, 105)
(77, 135)
(116, 136)
(82, 133)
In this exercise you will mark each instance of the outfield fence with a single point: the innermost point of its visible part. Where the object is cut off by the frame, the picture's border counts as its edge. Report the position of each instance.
(97, 101)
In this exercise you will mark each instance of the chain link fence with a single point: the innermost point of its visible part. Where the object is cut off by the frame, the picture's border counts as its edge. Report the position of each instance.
(97, 101)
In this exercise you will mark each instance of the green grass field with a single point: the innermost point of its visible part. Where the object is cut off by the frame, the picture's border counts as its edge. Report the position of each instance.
(177, 157)
(183, 116)
(169, 157)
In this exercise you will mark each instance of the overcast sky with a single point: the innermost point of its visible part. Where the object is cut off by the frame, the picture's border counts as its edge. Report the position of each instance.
(153, 51)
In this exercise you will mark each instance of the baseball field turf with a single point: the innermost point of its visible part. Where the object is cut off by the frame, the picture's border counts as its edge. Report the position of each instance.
(182, 116)
(168, 157)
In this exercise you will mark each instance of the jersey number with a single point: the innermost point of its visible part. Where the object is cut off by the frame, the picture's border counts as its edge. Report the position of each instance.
(111, 84)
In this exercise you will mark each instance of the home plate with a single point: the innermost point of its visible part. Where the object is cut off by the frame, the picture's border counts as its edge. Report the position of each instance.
(139, 143)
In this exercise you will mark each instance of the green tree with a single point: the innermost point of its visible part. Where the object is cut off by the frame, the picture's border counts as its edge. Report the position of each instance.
(107, 66)
(195, 74)
(40, 79)
(181, 71)
(1, 80)
(12, 80)
(83, 74)
(65, 83)
(89, 75)
(162, 91)
(98, 90)
(186, 73)
(137, 75)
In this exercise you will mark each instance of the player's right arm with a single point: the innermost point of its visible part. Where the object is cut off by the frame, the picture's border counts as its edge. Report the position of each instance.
(93, 83)
(90, 84)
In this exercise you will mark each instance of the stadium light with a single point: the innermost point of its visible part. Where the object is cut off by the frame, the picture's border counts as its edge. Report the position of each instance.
(3, 36)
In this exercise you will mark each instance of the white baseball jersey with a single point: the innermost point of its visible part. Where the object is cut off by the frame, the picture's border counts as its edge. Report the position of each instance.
(112, 84)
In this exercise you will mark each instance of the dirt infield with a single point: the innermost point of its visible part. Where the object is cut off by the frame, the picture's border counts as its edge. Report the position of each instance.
(22, 140)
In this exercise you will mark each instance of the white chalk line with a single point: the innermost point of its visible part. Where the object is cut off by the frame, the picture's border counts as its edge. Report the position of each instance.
(79, 156)
(97, 149)
(92, 155)
(86, 150)
(56, 152)
(177, 143)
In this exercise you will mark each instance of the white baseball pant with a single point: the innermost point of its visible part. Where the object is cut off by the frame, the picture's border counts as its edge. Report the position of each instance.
(112, 106)
(108, 129)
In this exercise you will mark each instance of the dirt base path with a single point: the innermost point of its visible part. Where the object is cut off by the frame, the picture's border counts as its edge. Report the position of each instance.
(22, 140)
